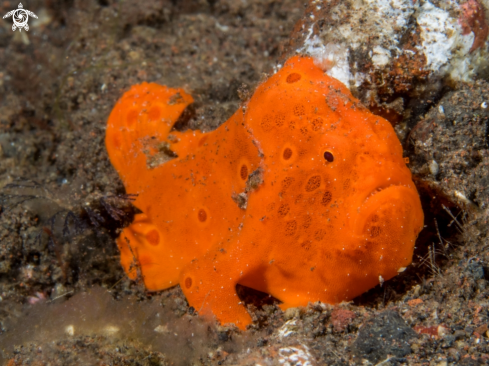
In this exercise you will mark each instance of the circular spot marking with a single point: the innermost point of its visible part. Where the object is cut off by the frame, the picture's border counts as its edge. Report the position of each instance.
(283, 209)
(327, 197)
(375, 231)
(319, 235)
(266, 123)
(298, 199)
(313, 183)
(153, 237)
(290, 228)
(287, 154)
(328, 156)
(202, 215)
(202, 141)
(188, 282)
(243, 172)
(154, 113)
(293, 78)
(299, 110)
(116, 141)
(307, 222)
(279, 119)
(132, 117)
(317, 123)
(145, 260)
(287, 182)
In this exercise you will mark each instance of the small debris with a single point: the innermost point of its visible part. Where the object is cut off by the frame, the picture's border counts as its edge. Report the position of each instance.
(289, 328)
(434, 169)
(70, 330)
(110, 330)
(295, 356)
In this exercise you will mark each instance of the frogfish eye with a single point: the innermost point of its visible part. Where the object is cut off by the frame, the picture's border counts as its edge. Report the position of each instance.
(328, 156)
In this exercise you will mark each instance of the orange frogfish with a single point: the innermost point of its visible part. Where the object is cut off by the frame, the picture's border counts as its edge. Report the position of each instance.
(302, 194)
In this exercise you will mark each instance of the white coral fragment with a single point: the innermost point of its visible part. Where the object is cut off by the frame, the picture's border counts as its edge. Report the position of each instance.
(295, 356)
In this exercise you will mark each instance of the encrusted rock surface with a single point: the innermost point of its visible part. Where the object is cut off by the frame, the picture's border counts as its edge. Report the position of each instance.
(396, 56)
(451, 147)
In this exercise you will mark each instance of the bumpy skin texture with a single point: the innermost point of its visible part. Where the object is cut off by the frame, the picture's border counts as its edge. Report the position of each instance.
(331, 207)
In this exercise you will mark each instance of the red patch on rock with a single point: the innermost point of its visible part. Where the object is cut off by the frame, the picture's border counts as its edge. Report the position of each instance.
(414, 302)
(434, 331)
(481, 330)
(473, 19)
(431, 331)
(340, 318)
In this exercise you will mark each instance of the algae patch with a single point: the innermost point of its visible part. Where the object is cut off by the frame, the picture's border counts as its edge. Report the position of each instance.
(151, 326)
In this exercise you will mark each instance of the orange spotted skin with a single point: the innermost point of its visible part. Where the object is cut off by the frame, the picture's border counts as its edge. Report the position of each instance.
(333, 211)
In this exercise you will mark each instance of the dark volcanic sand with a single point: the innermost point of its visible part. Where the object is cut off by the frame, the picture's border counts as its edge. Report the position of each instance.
(58, 83)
